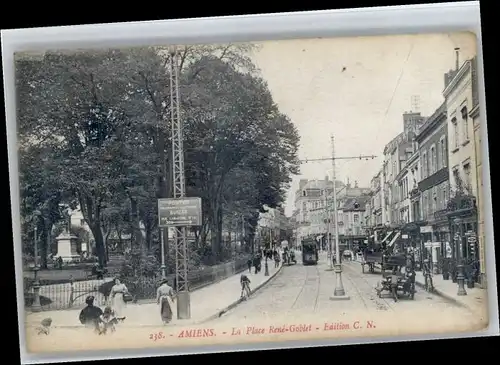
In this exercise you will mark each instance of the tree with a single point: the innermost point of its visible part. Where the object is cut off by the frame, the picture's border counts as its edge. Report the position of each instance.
(101, 119)
(229, 130)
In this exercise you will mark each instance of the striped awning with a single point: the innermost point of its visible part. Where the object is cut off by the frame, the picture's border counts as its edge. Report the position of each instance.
(396, 236)
(386, 237)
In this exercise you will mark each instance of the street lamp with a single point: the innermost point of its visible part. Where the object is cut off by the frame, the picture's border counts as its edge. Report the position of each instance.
(339, 292)
(36, 306)
(460, 267)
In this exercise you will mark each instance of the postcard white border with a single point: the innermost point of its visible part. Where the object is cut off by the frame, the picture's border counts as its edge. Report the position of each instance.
(429, 18)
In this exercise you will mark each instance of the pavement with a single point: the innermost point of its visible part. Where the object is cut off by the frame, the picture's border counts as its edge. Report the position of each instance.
(206, 303)
(476, 298)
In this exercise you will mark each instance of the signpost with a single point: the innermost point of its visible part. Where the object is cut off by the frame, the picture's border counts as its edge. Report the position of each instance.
(179, 212)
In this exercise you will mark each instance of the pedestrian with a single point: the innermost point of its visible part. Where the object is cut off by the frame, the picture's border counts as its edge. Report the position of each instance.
(108, 321)
(245, 286)
(249, 264)
(117, 298)
(90, 316)
(256, 263)
(163, 294)
(276, 261)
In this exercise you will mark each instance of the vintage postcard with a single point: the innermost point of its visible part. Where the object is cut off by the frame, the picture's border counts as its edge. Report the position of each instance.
(230, 194)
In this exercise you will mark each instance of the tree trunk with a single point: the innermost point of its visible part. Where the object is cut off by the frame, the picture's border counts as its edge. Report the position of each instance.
(44, 245)
(213, 229)
(99, 243)
(219, 229)
(136, 227)
(149, 235)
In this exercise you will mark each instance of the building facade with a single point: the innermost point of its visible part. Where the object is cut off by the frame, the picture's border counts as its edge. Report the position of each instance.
(475, 116)
(310, 207)
(462, 205)
(434, 187)
(396, 153)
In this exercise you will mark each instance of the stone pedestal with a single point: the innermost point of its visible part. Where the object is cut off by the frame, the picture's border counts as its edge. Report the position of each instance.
(66, 247)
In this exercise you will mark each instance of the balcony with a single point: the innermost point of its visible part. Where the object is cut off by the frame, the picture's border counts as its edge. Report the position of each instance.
(435, 179)
(440, 215)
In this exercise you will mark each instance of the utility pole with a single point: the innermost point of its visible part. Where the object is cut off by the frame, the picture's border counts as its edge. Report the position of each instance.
(179, 190)
(329, 229)
(339, 292)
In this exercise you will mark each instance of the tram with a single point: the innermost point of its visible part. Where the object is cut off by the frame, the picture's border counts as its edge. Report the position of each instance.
(309, 252)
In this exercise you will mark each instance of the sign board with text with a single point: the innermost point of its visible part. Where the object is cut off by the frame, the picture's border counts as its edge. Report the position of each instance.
(178, 212)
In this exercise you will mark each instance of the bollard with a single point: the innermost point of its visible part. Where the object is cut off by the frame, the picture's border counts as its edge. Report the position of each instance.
(461, 281)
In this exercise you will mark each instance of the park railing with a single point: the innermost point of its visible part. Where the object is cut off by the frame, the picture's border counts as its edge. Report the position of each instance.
(71, 293)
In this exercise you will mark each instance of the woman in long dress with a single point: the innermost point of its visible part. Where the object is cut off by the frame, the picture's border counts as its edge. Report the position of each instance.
(163, 294)
(117, 302)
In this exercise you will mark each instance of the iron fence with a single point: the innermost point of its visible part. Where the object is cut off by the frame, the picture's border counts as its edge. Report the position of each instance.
(71, 293)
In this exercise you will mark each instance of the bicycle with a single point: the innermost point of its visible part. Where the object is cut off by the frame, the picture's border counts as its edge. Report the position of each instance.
(245, 290)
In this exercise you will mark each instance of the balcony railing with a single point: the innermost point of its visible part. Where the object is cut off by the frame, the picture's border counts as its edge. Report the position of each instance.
(440, 215)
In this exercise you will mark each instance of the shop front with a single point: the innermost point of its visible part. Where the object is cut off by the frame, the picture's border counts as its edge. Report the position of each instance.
(462, 220)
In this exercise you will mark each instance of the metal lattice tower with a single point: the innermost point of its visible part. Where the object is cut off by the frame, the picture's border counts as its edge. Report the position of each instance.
(181, 259)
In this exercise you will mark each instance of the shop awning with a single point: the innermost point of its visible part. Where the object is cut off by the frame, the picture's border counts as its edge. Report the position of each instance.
(387, 236)
(396, 236)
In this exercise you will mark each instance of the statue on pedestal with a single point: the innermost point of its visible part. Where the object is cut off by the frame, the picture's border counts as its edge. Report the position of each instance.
(66, 242)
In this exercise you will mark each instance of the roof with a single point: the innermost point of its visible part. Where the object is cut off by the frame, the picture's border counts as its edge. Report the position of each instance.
(360, 200)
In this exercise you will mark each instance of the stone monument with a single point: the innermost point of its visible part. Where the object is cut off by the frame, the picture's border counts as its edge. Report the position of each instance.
(67, 242)
(66, 247)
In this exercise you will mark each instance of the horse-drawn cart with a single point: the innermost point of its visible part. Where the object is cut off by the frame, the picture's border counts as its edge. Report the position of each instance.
(370, 259)
(394, 280)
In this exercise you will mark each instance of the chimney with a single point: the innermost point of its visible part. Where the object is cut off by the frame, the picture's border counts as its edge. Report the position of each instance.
(457, 58)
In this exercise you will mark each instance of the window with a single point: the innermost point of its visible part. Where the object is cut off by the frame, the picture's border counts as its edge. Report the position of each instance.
(443, 153)
(424, 165)
(432, 160)
(356, 218)
(439, 158)
(455, 132)
(304, 193)
(465, 118)
(467, 175)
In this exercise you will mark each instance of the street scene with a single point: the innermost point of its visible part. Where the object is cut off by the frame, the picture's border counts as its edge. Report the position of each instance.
(220, 194)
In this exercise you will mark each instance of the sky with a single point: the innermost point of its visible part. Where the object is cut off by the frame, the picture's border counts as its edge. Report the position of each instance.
(357, 90)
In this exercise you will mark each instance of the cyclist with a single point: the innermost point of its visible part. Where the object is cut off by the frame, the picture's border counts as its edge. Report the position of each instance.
(245, 286)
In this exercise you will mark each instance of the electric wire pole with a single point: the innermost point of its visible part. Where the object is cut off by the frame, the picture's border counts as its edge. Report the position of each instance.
(339, 292)
(179, 190)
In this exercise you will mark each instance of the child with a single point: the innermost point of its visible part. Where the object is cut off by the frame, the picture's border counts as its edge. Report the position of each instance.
(108, 321)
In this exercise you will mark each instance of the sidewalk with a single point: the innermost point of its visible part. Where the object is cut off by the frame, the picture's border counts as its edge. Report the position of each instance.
(475, 299)
(206, 303)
